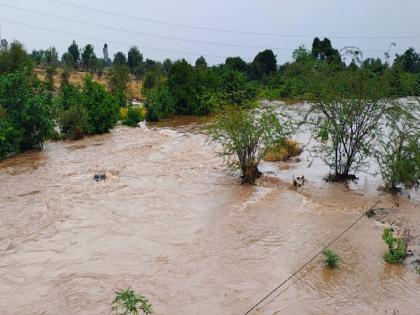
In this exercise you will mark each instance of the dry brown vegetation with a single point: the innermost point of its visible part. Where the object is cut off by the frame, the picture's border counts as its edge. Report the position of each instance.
(77, 77)
(283, 151)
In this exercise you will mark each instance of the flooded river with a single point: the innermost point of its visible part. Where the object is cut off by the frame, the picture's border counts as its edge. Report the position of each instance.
(172, 223)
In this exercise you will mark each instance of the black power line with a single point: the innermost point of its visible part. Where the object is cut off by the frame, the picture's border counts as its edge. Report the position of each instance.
(221, 30)
(309, 261)
(125, 30)
(74, 35)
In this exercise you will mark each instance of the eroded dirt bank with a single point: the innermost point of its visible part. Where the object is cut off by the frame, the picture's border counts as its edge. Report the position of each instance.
(173, 224)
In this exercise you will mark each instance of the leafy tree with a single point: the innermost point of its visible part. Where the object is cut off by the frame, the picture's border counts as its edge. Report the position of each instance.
(152, 80)
(118, 78)
(88, 57)
(301, 54)
(120, 59)
(101, 106)
(264, 64)
(67, 60)
(374, 65)
(50, 62)
(347, 113)
(14, 58)
(25, 108)
(323, 50)
(201, 62)
(182, 88)
(398, 152)
(159, 104)
(74, 121)
(409, 61)
(245, 136)
(10, 136)
(236, 64)
(238, 90)
(4, 44)
(37, 56)
(74, 51)
(135, 60)
(166, 66)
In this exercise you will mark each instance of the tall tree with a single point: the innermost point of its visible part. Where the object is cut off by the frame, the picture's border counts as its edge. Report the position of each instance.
(236, 64)
(135, 59)
(409, 61)
(75, 52)
(120, 59)
(88, 57)
(264, 64)
(201, 62)
(323, 50)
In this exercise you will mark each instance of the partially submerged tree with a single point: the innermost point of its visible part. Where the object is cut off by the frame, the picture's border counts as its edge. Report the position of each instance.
(347, 114)
(245, 136)
(398, 152)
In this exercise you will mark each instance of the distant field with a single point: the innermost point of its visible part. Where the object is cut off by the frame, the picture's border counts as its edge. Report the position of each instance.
(134, 87)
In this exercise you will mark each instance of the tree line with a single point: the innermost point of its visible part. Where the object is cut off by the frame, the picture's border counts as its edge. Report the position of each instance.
(31, 110)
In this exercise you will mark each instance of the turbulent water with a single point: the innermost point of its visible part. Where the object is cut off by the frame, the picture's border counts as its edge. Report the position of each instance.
(172, 223)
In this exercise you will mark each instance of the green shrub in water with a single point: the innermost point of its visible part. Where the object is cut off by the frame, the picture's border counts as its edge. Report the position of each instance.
(331, 258)
(134, 116)
(397, 248)
(127, 302)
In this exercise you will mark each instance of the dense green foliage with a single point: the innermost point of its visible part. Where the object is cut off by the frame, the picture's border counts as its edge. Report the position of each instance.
(134, 116)
(24, 113)
(127, 302)
(331, 258)
(397, 248)
(159, 104)
(87, 110)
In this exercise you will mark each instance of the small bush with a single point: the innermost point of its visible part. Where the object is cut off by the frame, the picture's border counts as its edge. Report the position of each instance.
(331, 258)
(134, 116)
(123, 113)
(127, 302)
(397, 248)
(73, 122)
(283, 151)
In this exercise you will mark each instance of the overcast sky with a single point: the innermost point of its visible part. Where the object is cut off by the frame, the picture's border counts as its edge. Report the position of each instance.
(244, 26)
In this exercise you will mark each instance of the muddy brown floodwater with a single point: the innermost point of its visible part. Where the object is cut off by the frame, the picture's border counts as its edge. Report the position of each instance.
(172, 223)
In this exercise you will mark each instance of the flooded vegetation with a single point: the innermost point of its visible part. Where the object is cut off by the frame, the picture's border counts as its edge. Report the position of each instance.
(191, 195)
(170, 221)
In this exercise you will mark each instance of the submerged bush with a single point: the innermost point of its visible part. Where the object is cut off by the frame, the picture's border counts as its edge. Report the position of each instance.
(283, 151)
(134, 116)
(331, 258)
(74, 122)
(398, 153)
(127, 302)
(397, 248)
